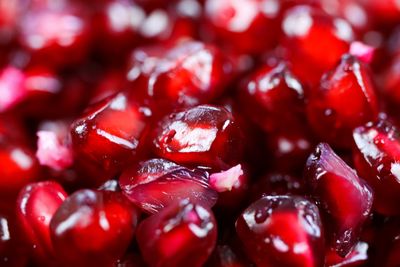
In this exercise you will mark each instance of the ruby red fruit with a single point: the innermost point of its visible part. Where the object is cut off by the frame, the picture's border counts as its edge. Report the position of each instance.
(187, 74)
(273, 97)
(282, 231)
(36, 205)
(200, 136)
(116, 24)
(376, 157)
(18, 167)
(155, 184)
(93, 227)
(331, 179)
(183, 234)
(109, 133)
(308, 34)
(241, 25)
(344, 100)
(55, 34)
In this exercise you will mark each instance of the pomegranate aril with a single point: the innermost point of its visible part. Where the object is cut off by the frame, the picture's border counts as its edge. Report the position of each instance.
(116, 27)
(200, 136)
(183, 234)
(36, 205)
(18, 167)
(274, 228)
(92, 228)
(376, 157)
(55, 35)
(241, 25)
(344, 100)
(109, 133)
(308, 34)
(188, 74)
(273, 98)
(155, 184)
(331, 178)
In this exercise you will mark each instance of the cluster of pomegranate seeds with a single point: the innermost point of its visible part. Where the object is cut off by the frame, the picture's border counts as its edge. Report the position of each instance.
(215, 133)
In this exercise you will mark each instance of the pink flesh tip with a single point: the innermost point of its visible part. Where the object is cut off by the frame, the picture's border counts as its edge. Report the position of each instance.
(362, 51)
(226, 180)
(12, 89)
(52, 152)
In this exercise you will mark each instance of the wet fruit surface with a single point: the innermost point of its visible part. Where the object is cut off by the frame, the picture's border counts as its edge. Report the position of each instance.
(330, 178)
(93, 227)
(274, 228)
(183, 233)
(200, 136)
(205, 133)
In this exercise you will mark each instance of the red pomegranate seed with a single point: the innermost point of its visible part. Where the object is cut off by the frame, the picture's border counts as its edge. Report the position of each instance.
(376, 157)
(36, 205)
(18, 167)
(241, 26)
(273, 98)
(282, 231)
(188, 74)
(331, 179)
(204, 135)
(116, 24)
(183, 234)
(308, 34)
(109, 133)
(156, 183)
(56, 35)
(344, 100)
(93, 227)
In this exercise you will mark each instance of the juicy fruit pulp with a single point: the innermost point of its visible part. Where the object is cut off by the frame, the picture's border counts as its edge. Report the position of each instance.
(156, 183)
(344, 100)
(200, 136)
(377, 151)
(282, 231)
(93, 227)
(182, 234)
(37, 204)
(182, 117)
(330, 179)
